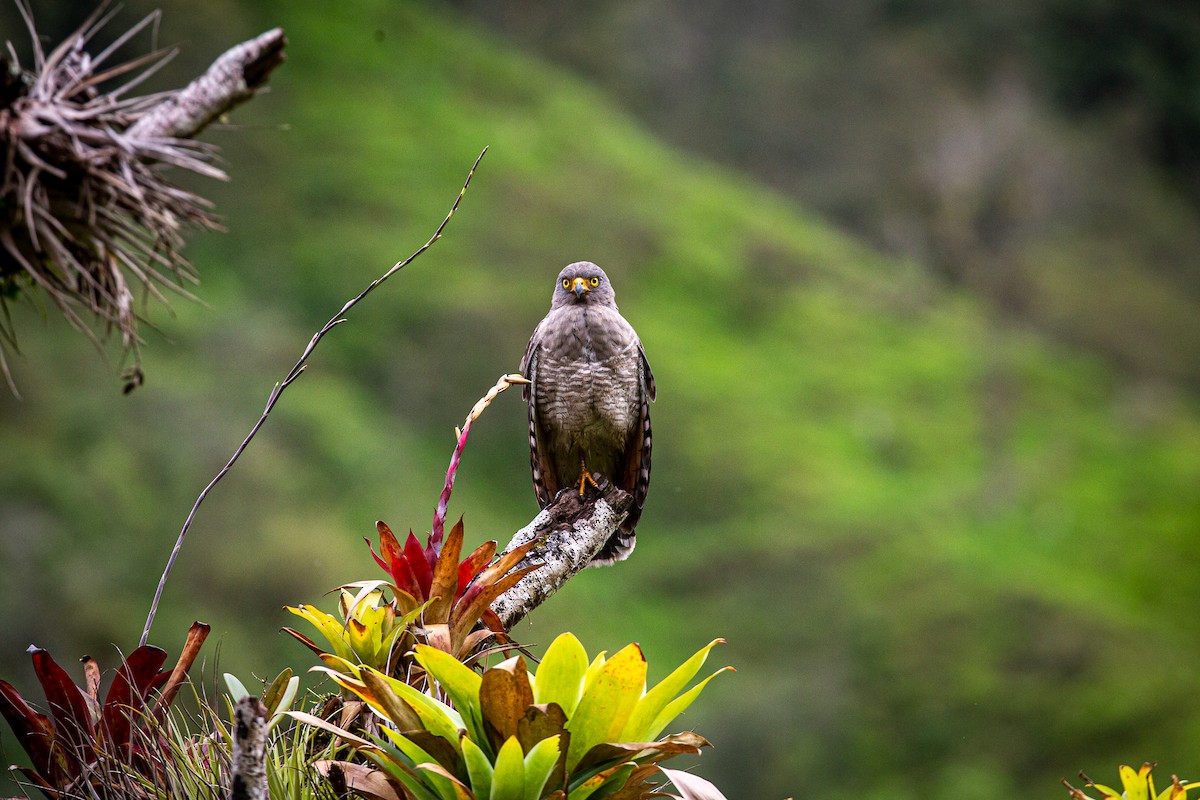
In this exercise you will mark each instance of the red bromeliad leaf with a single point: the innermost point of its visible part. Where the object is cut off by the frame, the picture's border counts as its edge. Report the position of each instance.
(68, 707)
(127, 695)
(492, 620)
(389, 546)
(473, 564)
(394, 561)
(64, 747)
(491, 583)
(34, 731)
(421, 564)
(405, 579)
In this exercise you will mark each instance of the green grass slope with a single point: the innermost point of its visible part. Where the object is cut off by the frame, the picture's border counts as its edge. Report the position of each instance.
(951, 560)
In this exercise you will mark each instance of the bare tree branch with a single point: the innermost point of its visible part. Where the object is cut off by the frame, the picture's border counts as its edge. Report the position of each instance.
(571, 531)
(230, 81)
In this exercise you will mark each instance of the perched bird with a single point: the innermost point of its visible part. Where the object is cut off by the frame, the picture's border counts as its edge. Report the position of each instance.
(589, 394)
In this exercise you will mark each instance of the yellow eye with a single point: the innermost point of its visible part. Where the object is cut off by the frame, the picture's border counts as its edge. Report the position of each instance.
(595, 281)
(566, 283)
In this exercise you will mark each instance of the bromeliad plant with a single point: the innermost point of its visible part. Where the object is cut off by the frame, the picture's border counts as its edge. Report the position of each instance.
(1138, 785)
(571, 730)
(366, 631)
(456, 595)
(85, 741)
(436, 598)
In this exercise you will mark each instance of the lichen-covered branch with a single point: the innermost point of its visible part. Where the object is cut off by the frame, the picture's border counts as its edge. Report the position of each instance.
(248, 779)
(571, 530)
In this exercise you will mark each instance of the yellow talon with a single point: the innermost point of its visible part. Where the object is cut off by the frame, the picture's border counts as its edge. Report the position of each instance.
(585, 478)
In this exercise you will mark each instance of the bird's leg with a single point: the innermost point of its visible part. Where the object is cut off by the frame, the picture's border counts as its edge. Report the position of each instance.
(585, 477)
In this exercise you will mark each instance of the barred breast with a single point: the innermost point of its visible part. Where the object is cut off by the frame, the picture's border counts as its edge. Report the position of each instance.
(587, 389)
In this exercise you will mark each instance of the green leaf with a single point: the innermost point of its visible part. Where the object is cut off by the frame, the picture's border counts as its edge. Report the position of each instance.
(281, 692)
(508, 781)
(593, 670)
(539, 764)
(332, 628)
(645, 713)
(237, 689)
(1136, 782)
(280, 697)
(413, 751)
(388, 703)
(559, 677)
(436, 717)
(479, 768)
(392, 763)
(461, 684)
(680, 704)
(343, 673)
(609, 698)
(608, 777)
(448, 786)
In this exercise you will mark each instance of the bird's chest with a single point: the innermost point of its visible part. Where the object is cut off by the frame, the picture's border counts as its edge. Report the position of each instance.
(587, 388)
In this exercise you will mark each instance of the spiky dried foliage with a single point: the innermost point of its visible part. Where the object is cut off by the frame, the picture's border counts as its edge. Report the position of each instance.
(87, 216)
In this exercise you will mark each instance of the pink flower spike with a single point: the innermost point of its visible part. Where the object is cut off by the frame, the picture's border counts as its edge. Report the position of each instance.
(439, 517)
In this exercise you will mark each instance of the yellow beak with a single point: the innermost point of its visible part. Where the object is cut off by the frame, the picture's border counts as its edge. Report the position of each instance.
(579, 286)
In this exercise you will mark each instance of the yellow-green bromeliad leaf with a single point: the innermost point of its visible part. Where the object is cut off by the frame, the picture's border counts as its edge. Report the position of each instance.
(508, 780)
(461, 684)
(479, 768)
(610, 694)
(657, 707)
(560, 676)
(539, 765)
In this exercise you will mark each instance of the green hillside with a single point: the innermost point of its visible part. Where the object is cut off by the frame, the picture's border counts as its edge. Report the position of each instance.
(951, 559)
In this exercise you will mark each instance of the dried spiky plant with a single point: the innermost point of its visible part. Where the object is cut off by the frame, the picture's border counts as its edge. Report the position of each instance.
(87, 216)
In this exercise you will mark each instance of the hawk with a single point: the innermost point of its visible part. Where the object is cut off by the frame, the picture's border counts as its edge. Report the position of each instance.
(589, 394)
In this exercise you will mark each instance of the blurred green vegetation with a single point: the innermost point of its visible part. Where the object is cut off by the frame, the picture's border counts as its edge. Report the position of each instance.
(1044, 154)
(952, 556)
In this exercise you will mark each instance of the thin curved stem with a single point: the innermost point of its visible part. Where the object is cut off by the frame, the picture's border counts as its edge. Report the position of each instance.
(277, 392)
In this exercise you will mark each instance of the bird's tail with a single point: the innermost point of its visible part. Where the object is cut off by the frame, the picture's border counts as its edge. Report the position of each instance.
(618, 547)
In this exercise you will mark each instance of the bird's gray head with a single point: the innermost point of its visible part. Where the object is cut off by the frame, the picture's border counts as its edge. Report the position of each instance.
(582, 283)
